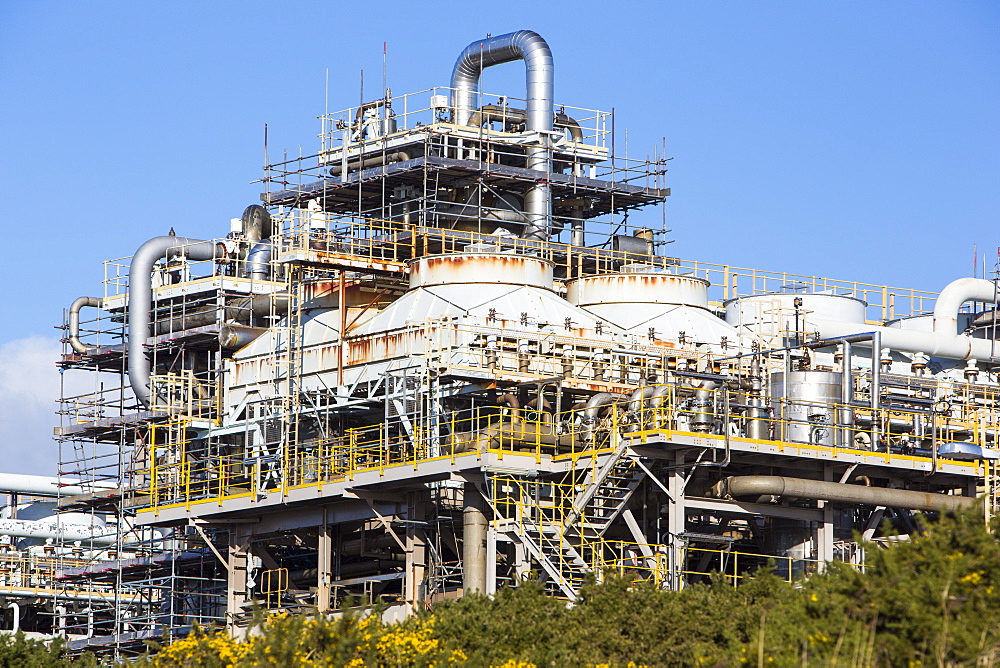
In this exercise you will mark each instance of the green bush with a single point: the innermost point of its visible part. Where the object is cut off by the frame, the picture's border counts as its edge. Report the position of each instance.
(931, 601)
(18, 651)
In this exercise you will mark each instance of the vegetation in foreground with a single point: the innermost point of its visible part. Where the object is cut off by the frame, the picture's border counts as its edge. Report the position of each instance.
(934, 601)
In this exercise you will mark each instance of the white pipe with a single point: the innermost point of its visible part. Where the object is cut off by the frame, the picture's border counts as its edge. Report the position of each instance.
(944, 340)
(38, 485)
(952, 346)
(954, 295)
(60, 611)
(17, 616)
(56, 530)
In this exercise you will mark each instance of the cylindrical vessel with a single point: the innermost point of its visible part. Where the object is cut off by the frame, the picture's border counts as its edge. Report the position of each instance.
(807, 408)
(638, 288)
(480, 268)
(773, 314)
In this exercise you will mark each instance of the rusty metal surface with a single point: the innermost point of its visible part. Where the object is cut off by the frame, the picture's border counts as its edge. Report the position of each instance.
(480, 268)
(639, 288)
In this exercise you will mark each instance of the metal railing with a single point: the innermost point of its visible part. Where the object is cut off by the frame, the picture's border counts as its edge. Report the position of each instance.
(173, 474)
(379, 119)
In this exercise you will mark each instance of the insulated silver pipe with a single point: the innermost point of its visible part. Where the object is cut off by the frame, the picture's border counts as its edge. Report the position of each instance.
(242, 312)
(57, 530)
(773, 485)
(140, 299)
(523, 45)
(74, 322)
(528, 46)
(703, 405)
(37, 485)
(638, 400)
(233, 336)
(258, 263)
(758, 427)
(592, 409)
(376, 160)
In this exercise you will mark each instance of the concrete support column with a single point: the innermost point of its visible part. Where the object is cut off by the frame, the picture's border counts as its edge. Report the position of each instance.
(676, 521)
(474, 527)
(416, 553)
(238, 558)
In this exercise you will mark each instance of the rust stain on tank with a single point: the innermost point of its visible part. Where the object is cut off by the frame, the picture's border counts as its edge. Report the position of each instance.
(480, 268)
(380, 347)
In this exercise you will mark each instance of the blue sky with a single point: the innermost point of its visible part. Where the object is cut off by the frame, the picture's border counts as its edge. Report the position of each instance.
(854, 140)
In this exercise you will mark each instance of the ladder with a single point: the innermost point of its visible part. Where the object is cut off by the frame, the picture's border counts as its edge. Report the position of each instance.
(605, 494)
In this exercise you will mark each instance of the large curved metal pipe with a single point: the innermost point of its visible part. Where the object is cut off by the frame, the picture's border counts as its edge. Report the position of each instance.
(74, 322)
(528, 46)
(592, 409)
(652, 396)
(140, 299)
(934, 344)
(954, 295)
(773, 485)
(514, 404)
(257, 223)
(944, 340)
(258, 263)
(525, 45)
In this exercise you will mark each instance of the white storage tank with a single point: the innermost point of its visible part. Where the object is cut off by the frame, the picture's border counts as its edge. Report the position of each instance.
(673, 306)
(773, 313)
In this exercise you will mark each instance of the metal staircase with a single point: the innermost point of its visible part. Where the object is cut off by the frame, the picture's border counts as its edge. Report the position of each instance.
(565, 535)
(605, 494)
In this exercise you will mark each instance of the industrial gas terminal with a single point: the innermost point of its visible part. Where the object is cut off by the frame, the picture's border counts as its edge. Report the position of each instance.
(447, 351)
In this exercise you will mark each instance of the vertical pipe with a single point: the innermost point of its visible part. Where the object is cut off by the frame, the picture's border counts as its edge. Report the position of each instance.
(876, 385)
(846, 397)
(579, 238)
(17, 616)
(60, 612)
(473, 541)
(342, 307)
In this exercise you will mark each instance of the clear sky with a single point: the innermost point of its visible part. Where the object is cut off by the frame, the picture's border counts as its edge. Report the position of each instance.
(853, 140)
